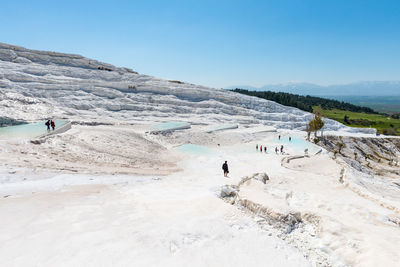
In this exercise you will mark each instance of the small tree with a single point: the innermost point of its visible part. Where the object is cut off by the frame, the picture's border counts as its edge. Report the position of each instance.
(316, 124)
(346, 119)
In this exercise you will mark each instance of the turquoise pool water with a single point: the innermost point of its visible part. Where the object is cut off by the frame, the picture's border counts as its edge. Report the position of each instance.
(170, 125)
(29, 130)
(297, 144)
(193, 149)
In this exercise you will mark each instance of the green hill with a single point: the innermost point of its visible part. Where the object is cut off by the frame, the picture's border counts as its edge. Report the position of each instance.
(346, 113)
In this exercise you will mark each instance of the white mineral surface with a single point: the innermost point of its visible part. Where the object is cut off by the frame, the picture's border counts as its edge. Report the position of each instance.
(108, 192)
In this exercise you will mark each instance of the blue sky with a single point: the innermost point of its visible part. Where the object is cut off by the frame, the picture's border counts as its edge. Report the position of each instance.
(219, 43)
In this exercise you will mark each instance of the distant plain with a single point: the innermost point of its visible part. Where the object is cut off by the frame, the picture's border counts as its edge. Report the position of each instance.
(386, 104)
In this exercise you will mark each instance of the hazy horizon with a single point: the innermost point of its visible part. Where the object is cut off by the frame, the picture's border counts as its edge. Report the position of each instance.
(364, 88)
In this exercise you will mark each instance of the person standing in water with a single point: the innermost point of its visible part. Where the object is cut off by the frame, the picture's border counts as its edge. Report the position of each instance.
(225, 168)
(279, 137)
(48, 125)
(53, 125)
(290, 138)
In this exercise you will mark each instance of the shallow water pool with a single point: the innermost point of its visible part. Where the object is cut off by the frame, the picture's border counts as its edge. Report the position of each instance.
(297, 144)
(29, 130)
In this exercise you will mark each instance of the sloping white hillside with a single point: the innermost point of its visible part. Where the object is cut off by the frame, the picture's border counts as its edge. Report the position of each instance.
(125, 194)
(37, 84)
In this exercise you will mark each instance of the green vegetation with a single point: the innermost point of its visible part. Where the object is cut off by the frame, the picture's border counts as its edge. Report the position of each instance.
(315, 125)
(385, 124)
(305, 102)
(348, 114)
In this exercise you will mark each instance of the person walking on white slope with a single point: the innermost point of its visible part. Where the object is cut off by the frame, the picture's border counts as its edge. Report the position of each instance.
(225, 168)
(48, 125)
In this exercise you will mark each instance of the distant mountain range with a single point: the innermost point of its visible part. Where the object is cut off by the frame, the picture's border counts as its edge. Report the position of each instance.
(367, 88)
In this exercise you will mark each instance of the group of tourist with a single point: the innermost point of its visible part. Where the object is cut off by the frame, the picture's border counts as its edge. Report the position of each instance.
(50, 123)
(277, 150)
(260, 148)
(265, 149)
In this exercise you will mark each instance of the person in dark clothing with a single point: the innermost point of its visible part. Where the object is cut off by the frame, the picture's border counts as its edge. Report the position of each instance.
(281, 149)
(257, 147)
(48, 125)
(53, 125)
(279, 137)
(265, 149)
(225, 168)
(290, 138)
(276, 150)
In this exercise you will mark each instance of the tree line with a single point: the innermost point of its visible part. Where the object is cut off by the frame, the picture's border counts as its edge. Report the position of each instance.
(305, 103)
